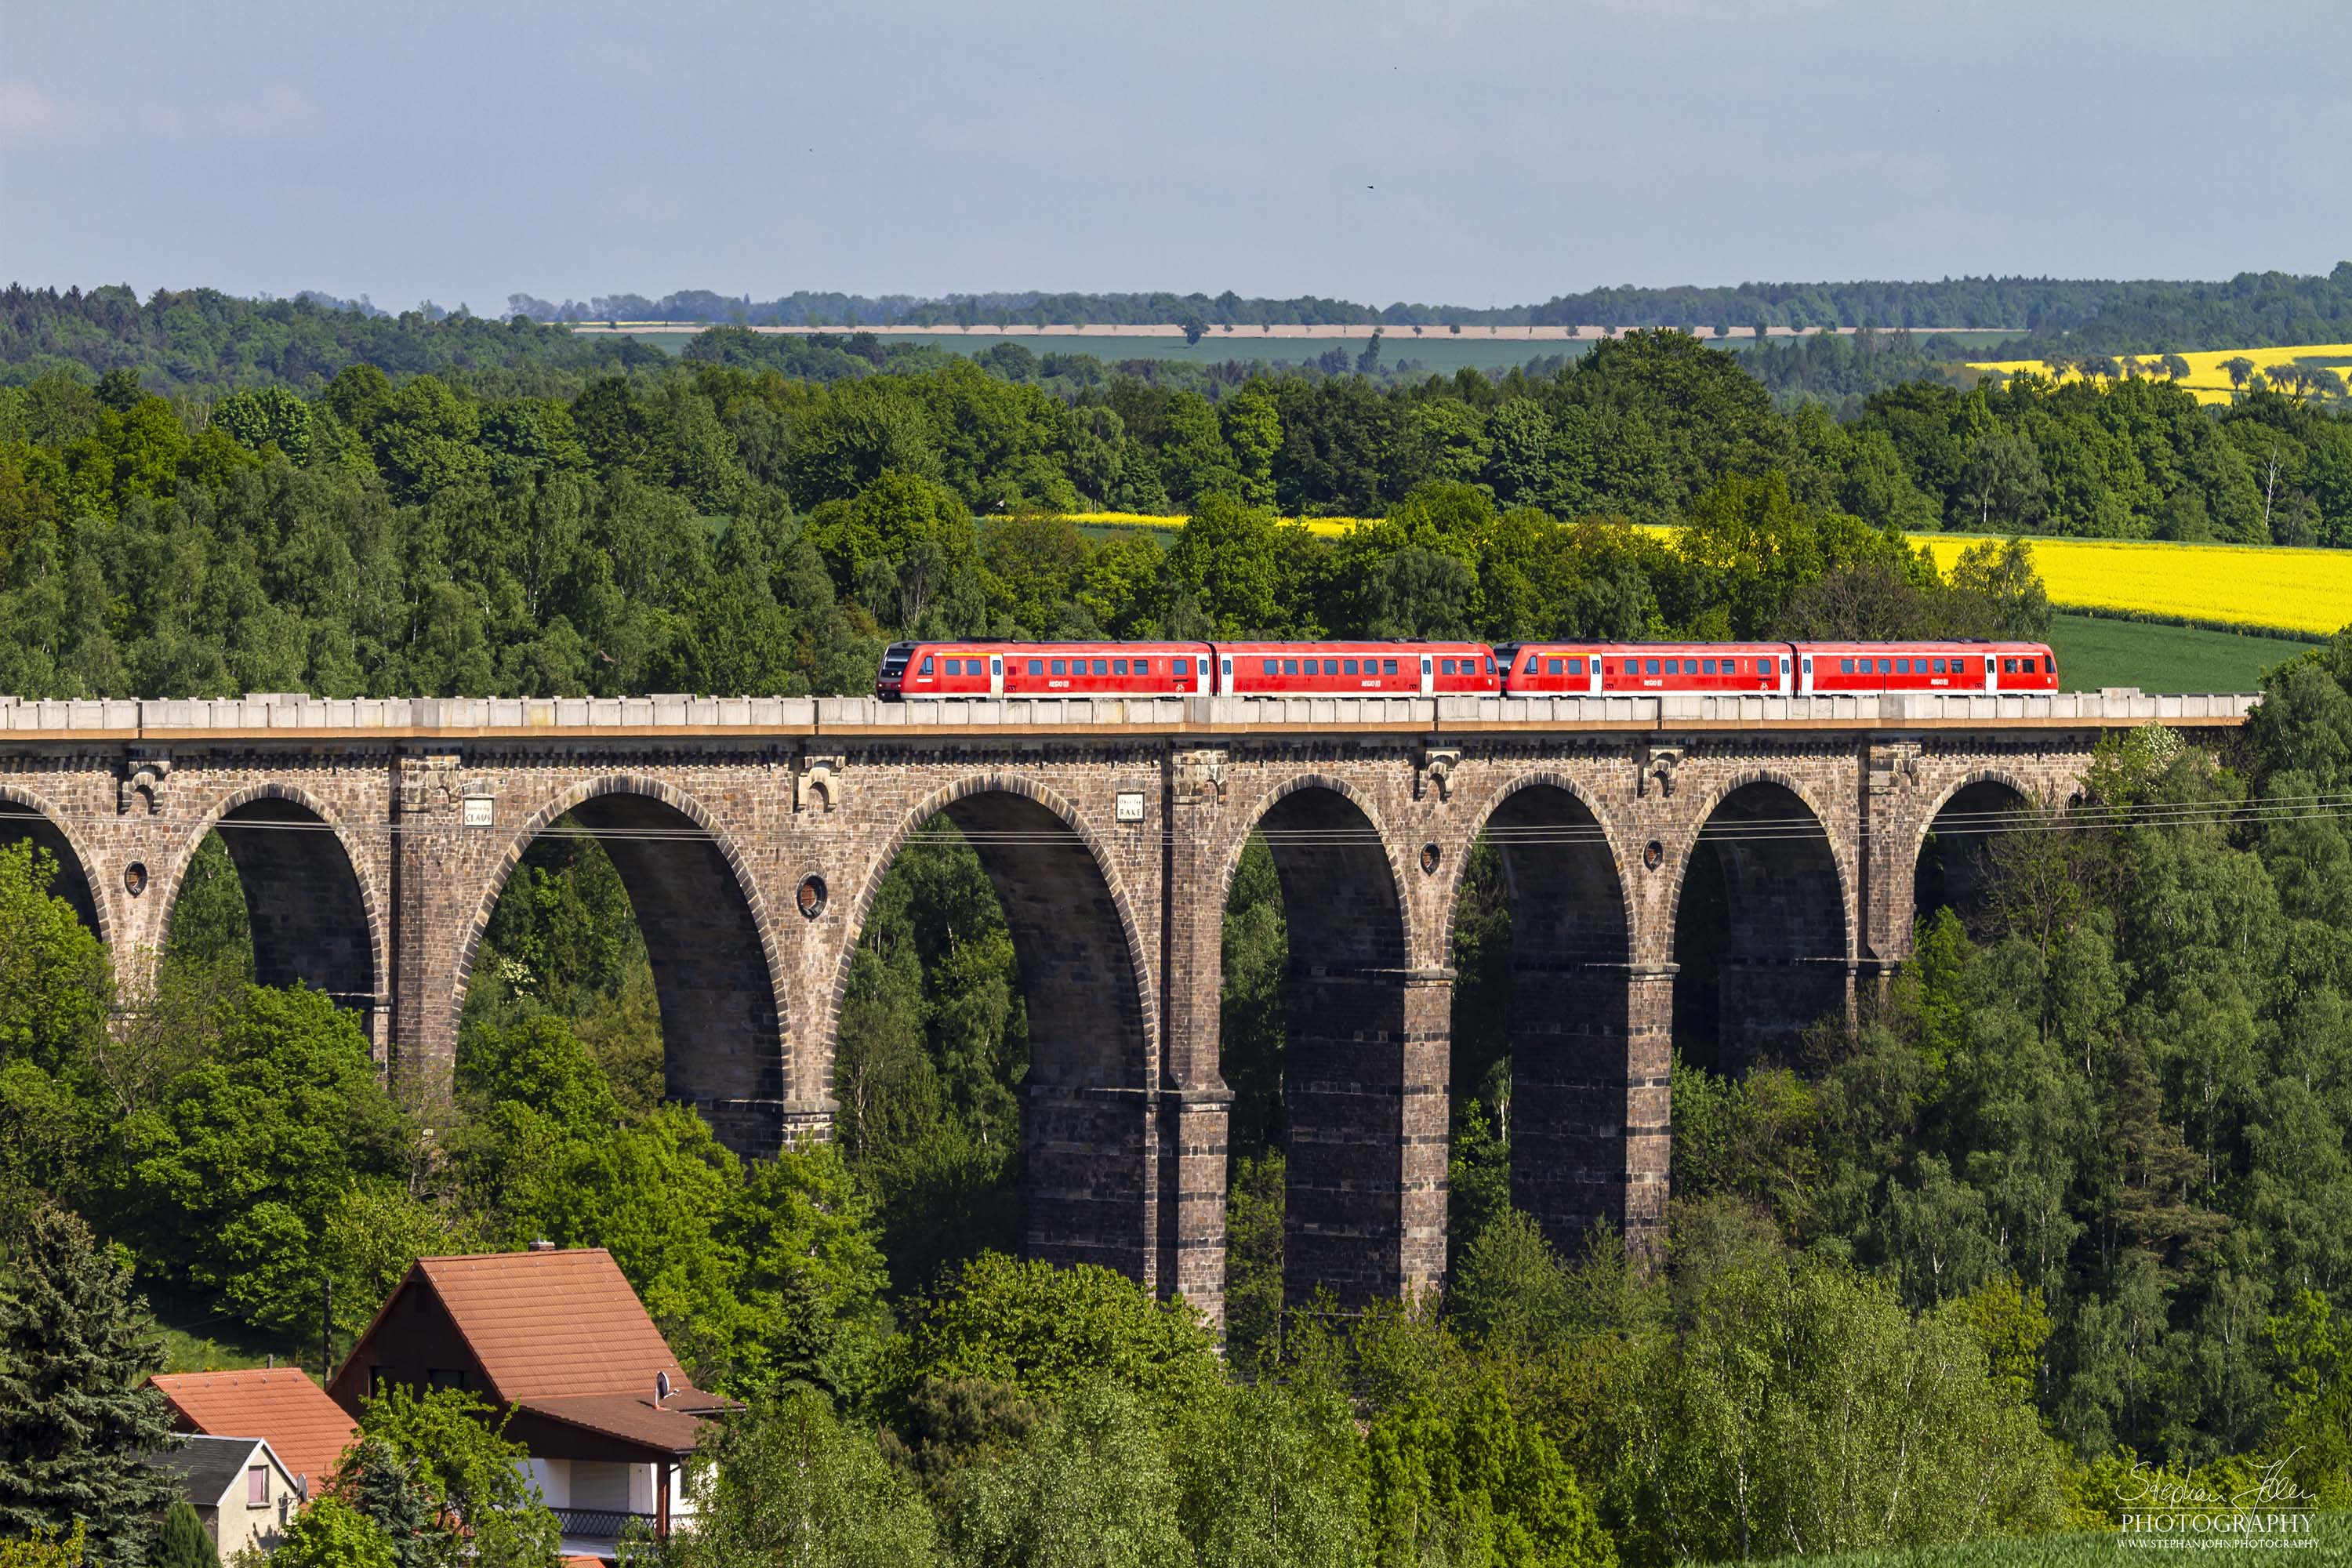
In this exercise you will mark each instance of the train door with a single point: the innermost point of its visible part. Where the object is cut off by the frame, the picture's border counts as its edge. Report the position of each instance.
(1782, 686)
(996, 675)
(1992, 673)
(1805, 674)
(1225, 673)
(1428, 676)
(1593, 675)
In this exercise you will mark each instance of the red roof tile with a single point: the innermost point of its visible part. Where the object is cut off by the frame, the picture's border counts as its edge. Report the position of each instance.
(308, 1430)
(552, 1324)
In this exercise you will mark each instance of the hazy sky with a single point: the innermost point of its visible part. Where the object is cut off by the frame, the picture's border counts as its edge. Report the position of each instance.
(1454, 152)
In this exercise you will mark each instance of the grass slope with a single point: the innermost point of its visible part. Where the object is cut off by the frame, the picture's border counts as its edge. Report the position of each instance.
(2096, 651)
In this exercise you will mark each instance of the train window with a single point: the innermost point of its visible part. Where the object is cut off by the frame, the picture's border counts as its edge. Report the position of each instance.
(954, 667)
(927, 664)
(1290, 667)
(1036, 667)
(1902, 667)
(1102, 666)
(1531, 664)
(1706, 666)
(1143, 667)
(1576, 666)
(1937, 665)
(1346, 667)
(1061, 666)
(1273, 667)
(1388, 667)
(1444, 667)
(2009, 667)
(1883, 667)
(1118, 666)
(1632, 667)
(1846, 666)
(1653, 666)
(1552, 666)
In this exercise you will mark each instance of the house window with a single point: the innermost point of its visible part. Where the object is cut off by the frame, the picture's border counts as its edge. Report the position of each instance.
(257, 1486)
(445, 1377)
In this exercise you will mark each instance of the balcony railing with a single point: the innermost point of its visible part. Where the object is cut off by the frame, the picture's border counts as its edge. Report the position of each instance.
(598, 1523)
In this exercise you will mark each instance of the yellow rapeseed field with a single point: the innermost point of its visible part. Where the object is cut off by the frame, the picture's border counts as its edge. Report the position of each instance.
(2236, 585)
(1326, 527)
(2256, 587)
(2206, 377)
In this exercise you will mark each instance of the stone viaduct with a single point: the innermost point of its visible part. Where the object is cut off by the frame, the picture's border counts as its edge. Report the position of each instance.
(372, 838)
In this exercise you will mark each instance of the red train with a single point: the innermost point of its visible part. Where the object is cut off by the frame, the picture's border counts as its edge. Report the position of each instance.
(981, 669)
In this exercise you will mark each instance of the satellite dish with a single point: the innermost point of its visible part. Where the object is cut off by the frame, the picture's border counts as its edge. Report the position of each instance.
(661, 1386)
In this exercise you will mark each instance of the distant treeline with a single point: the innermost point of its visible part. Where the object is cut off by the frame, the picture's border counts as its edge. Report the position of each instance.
(2251, 309)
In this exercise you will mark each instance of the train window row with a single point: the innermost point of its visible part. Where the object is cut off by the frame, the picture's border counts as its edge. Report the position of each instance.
(1334, 666)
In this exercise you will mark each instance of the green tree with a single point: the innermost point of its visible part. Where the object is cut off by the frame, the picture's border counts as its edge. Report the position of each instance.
(486, 1509)
(234, 1177)
(788, 1481)
(1047, 1330)
(1479, 1484)
(183, 1542)
(1093, 1487)
(75, 1421)
(377, 1480)
(1273, 1476)
(2004, 484)
(331, 1533)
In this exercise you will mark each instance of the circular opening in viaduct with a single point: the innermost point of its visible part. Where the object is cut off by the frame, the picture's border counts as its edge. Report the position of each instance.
(1654, 853)
(811, 897)
(134, 877)
(1429, 859)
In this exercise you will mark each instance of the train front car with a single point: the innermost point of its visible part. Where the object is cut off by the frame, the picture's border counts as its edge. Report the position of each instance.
(1832, 667)
(1356, 669)
(1595, 669)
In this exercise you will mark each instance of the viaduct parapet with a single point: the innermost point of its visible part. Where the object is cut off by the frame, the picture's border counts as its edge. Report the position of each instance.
(373, 840)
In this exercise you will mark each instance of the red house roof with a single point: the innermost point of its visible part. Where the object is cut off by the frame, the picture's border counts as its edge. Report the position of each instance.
(552, 1324)
(559, 1334)
(282, 1405)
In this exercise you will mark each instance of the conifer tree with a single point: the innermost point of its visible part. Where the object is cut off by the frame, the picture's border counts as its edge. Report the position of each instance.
(75, 1418)
(184, 1543)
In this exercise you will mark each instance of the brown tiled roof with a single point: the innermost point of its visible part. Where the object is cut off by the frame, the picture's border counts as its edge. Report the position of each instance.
(307, 1430)
(633, 1419)
(552, 1325)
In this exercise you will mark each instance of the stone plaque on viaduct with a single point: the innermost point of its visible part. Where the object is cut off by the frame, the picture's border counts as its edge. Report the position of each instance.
(373, 840)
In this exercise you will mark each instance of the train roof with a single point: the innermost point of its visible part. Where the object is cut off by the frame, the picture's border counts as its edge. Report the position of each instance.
(1355, 645)
(1933, 645)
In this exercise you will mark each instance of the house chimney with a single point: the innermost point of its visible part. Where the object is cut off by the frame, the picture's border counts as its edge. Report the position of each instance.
(542, 1245)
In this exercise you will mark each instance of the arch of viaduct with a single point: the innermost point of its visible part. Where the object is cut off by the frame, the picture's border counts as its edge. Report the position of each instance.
(374, 838)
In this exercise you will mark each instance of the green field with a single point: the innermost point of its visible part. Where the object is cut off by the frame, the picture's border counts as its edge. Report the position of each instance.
(1436, 351)
(2096, 651)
